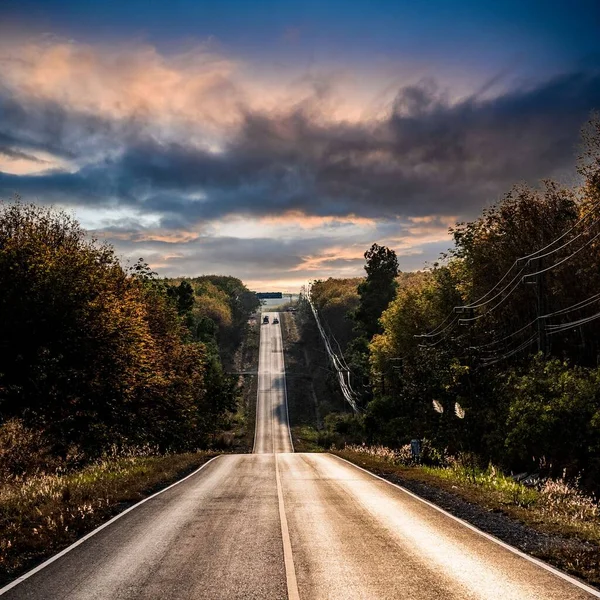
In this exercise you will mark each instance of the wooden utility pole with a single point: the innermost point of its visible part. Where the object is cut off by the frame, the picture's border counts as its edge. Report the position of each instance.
(541, 304)
(542, 339)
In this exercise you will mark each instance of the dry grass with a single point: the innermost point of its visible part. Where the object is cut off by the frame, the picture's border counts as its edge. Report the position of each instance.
(553, 507)
(248, 363)
(41, 514)
(557, 504)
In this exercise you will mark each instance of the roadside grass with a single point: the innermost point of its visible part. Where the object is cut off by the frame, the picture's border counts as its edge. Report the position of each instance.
(553, 508)
(249, 364)
(307, 439)
(299, 378)
(42, 514)
(239, 436)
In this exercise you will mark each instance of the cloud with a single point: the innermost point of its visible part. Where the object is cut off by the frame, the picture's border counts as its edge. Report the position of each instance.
(295, 218)
(17, 154)
(263, 257)
(31, 124)
(189, 140)
(427, 157)
(125, 80)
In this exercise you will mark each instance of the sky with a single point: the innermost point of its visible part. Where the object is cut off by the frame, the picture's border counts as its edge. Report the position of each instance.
(276, 141)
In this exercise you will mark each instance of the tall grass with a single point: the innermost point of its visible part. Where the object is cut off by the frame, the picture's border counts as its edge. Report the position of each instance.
(557, 503)
(44, 512)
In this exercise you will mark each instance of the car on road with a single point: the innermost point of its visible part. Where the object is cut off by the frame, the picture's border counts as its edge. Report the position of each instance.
(265, 319)
(275, 321)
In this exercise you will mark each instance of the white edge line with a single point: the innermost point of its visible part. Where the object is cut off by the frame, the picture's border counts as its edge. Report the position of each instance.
(95, 531)
(287, 412)
(512, 549)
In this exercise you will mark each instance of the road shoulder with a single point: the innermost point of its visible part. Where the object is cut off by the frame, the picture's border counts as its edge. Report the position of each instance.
(80, 501)
(575, 556)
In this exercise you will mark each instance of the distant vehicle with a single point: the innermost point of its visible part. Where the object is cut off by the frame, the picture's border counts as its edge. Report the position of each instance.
(265, 319)
(275, 321)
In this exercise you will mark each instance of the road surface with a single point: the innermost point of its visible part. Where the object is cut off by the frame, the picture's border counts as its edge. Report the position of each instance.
(272, 426)
(280, 525)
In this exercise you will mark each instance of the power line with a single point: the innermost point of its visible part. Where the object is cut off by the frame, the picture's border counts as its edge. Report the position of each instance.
(433, 332)
(513, 334)
(427, 335)
(536, 273)
(501, 301)
(343, 374)
(520, 348)
(438, 342)
(552, 329)
(525, 262)
(579, 305)
(560, 262)
(540, 256)
(535, 254)
(473, 306)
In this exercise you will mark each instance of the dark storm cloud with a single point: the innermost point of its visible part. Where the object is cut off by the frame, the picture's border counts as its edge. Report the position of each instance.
(31, 124)
(428, 156)
(254, 254)
(16, 154)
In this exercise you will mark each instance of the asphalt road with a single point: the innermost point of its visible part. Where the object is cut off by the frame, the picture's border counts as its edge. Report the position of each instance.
(272, 427)
(282, 525)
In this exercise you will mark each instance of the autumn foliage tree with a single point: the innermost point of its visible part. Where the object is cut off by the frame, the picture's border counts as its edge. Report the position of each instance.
(91, 354)
(494, 351)
(522, 361)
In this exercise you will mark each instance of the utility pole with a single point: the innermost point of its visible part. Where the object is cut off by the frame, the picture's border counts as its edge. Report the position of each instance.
(397, 367)
(540, 292)
(541, 310)
(469, 314)
(541, 305)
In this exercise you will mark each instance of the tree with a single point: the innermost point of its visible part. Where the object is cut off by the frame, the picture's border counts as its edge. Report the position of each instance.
(92, 355)
(336, 300)
(377, 290)
(183, 296)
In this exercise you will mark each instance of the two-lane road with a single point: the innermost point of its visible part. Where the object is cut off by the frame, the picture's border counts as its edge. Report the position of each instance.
(280, 525)
(272, 425)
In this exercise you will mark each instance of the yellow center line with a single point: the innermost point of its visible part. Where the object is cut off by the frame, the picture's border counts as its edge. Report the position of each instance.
(288, 559)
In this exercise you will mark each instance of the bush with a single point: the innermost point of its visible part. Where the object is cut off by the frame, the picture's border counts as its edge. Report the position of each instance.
(22, 450)
(92, 355)
(553, 412)
(343, 428)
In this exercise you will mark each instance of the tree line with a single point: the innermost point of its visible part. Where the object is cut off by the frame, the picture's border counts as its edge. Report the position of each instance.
(493, 350)
(95, 356)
